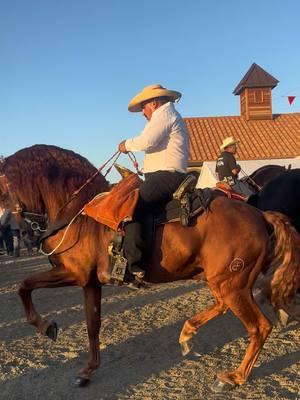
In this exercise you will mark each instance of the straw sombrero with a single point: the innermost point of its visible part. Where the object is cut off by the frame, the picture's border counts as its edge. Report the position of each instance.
(151, 92)
(228, 142)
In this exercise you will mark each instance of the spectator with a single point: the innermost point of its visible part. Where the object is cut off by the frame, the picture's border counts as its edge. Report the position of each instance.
(6, 230)
(27, 236)
(15, 231)
(2, 249)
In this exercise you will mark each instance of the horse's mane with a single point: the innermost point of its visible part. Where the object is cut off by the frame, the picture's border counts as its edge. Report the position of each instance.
(266, 168)
(64, 170)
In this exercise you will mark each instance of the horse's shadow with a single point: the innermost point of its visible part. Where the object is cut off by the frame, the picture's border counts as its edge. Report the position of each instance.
(137, 359)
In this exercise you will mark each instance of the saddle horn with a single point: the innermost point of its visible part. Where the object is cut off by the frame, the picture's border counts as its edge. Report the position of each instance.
(123, 171)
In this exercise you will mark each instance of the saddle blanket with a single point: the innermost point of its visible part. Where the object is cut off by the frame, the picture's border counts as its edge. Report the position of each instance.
(117, 205)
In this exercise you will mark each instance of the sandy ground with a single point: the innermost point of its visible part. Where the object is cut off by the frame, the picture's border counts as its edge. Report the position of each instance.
(141, 358)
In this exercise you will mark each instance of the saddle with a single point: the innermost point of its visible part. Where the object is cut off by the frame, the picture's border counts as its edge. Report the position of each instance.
(225, 188)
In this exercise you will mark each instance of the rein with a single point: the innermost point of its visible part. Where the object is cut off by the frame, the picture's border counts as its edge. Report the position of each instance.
(92, 177)
(67, 228)
(251, 180)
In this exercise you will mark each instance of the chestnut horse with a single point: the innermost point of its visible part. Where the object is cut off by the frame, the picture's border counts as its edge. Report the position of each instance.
(230, 243)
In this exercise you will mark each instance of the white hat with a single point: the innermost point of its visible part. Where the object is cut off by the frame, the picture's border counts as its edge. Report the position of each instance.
(151, 92)
(228, 142)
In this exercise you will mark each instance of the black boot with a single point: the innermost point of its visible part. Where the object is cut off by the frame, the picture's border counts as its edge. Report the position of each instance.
(133, 246)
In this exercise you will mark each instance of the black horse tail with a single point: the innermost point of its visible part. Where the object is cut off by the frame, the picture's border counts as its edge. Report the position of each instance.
(284, 259)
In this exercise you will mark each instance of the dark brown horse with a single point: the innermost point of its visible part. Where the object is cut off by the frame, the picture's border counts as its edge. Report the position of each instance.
(230, 243)
(281, 194)
(264, 175)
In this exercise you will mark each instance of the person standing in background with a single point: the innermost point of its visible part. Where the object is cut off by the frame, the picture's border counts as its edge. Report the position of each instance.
(6, 230)
(15, 231)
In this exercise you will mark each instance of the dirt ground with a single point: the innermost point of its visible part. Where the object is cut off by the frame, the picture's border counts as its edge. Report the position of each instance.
(140, 356)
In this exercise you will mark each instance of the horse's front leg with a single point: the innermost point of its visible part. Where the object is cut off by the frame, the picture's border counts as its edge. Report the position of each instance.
(48, 279)
(92, 296)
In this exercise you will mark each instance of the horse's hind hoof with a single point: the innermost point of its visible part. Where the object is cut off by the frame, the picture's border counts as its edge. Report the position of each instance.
(283, 318)
(52, 330)
(186, 347)
(81, 382)
(221, 386)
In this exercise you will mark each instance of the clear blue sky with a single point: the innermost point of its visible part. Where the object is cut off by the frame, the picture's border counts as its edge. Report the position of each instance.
(69, 67)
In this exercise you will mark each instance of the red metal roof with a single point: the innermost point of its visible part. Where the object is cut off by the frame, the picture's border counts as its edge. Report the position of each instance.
(261, 139)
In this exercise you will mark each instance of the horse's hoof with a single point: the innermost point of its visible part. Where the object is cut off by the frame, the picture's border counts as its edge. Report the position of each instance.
(81, 382)
(186, 347)
(196, 354)
(52, 330)
(283, 318)
(221, 386)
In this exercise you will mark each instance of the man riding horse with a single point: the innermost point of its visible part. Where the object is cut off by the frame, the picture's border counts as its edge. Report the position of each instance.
(228, 170)
(165, 143)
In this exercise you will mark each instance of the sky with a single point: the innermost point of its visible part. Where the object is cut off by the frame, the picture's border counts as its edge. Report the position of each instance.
(68, 68)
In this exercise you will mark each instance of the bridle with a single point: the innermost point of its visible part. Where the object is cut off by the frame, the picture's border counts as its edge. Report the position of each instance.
(36, 221)
(252, 181)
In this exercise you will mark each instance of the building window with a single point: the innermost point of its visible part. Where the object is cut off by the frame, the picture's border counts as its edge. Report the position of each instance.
(258, 96)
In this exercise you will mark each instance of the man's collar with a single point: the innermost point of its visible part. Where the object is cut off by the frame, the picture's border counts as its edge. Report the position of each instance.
(162, 108)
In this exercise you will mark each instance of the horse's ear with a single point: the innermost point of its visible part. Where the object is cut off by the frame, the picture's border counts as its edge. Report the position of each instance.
(289, 167)
(124, 172)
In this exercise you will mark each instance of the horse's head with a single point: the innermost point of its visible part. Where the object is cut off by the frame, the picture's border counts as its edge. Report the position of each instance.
(264, 175)
(42, 179)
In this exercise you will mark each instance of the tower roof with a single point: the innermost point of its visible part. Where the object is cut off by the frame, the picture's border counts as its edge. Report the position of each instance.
(255, 77)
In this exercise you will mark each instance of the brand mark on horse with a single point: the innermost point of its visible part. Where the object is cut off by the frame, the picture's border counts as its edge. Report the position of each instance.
(237, 265)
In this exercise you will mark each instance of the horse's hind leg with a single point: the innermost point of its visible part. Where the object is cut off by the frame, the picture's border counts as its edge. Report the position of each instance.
(92, 296)
(244, 307)
(192, 325)
(49, 279)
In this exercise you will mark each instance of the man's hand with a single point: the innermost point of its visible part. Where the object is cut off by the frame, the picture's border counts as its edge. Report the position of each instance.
(122, 147)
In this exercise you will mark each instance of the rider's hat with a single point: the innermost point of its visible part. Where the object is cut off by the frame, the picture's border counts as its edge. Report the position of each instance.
(151, 92)
(228, 142)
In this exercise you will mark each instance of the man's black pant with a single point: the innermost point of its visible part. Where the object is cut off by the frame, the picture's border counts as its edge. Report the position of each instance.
(156, 190)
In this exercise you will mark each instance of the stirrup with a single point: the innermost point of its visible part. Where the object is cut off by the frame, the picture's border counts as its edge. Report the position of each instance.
(137, 274)
(182, 195)
(187, 186)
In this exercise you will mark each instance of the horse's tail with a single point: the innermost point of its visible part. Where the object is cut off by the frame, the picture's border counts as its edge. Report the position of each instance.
(284, 259)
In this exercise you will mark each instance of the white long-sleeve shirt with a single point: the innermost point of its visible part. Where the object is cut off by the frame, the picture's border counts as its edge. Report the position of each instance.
(164, 141)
